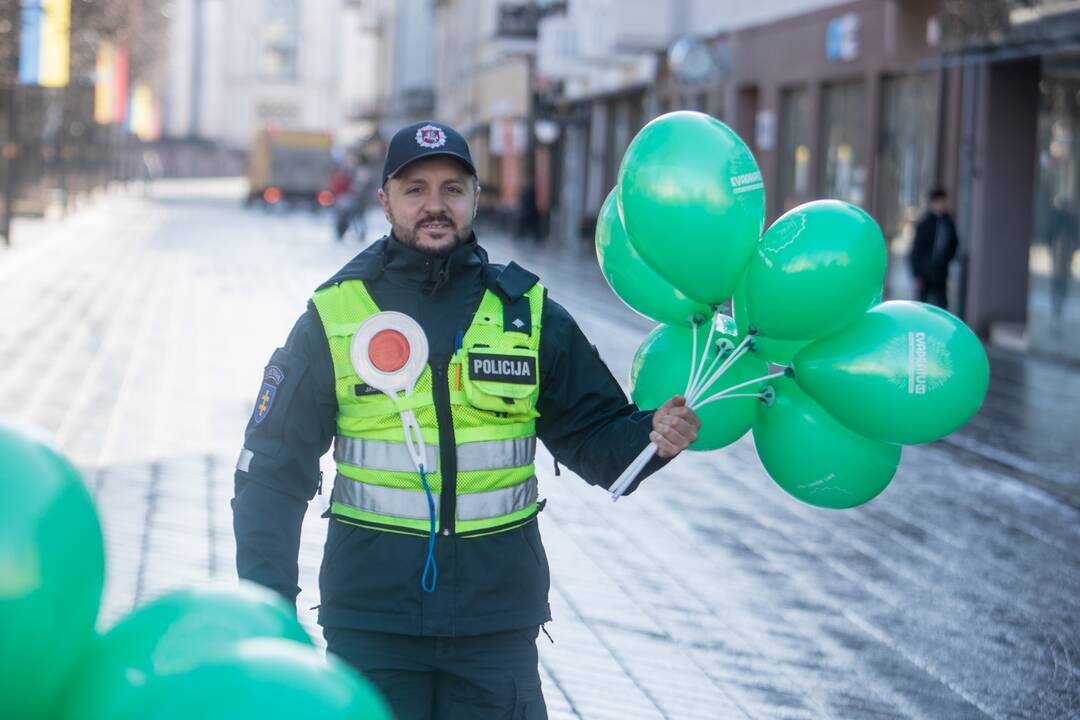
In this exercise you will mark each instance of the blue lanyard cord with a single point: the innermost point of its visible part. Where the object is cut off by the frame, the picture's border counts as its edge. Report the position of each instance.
(429, 565)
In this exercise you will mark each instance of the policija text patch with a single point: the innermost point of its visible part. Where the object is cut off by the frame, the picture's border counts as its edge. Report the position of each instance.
(513, 369)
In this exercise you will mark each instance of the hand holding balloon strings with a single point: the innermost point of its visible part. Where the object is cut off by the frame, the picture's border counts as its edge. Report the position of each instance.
(675, 426)
(699, 382)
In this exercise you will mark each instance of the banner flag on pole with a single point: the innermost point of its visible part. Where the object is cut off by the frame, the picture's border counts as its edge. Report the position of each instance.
(142, 111)
(120, 85)
(104, 84)
(45, 57)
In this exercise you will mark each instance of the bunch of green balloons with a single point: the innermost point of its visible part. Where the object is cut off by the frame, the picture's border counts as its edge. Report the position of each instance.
(213, 653)
(682, 237)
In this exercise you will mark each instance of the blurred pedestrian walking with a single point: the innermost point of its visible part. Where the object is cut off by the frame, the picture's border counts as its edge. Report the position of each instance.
(1061, 237)
(352, 202)
(933, 250)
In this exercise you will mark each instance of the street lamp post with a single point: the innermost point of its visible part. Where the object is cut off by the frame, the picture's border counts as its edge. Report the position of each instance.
(9, 150)
(11, 164)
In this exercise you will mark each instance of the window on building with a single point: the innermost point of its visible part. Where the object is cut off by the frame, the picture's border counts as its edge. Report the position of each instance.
(906, 150)
(794, 148)
(905, 166)
(843, 172)
(1053, 323)
(278, 40)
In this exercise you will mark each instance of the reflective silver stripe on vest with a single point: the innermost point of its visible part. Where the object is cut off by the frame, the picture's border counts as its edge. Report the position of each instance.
(381, 455)
(495, 454)
(484, 505)
(395, 502)
(243, 463)
(412, 504)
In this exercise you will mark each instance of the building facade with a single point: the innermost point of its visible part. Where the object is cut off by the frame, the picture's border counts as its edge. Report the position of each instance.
(844, 103)
(238, 66)
(618, 65)
(870, 101)
(877, 101)
(404, 67)
(1018, 173)
(487, 50)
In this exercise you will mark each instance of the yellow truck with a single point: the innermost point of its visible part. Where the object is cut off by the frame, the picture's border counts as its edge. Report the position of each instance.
(289, 166)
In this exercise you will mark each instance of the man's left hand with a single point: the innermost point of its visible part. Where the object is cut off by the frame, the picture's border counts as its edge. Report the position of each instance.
(674, 427)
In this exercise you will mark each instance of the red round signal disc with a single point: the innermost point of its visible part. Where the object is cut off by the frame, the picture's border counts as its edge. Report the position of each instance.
(388, 351)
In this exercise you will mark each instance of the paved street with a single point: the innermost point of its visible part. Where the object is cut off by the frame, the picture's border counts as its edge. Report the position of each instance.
(136, 330)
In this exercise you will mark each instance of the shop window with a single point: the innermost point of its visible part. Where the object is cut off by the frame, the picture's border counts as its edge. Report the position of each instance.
(794, 148)
(1054, 290)
(843, 141)
(905, 167)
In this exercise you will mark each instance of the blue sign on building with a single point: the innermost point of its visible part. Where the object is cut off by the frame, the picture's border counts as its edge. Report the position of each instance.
(842, 38)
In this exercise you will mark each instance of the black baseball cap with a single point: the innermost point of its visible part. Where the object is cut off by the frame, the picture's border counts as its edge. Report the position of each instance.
(424, 140)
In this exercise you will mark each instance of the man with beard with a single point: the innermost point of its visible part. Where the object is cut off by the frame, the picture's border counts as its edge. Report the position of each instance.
(434, 582)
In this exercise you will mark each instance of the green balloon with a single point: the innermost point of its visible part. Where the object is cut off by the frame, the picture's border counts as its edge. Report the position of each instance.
(661, 369)
(905, 372)
(693, 203)
(52, 568)
(814, 458)
(815, 270)
(633, 280)
(775, 351)
(268, 679)
(172, 633)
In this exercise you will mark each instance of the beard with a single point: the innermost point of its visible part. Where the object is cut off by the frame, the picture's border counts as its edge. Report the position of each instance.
(411, 236)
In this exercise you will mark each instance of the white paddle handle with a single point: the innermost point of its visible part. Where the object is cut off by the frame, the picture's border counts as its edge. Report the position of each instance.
(414, 439)
(632, 471)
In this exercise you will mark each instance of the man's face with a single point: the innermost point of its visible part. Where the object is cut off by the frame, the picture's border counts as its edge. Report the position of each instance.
(431, 205)
(938, 206)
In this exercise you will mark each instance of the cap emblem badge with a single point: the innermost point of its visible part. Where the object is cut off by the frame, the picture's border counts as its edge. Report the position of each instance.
(430, 136)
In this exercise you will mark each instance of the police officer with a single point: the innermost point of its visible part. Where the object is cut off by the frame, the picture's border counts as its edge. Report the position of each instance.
(434, 582)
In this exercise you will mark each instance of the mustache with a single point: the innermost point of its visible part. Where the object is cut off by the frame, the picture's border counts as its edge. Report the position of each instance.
(435, 219)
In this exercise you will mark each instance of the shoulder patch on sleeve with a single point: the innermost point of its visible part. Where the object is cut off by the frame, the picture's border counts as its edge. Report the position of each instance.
(279, 381)
(274, 374)
(272, 379)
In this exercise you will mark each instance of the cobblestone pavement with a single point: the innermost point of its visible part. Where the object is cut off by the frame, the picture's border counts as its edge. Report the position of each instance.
(136, 330)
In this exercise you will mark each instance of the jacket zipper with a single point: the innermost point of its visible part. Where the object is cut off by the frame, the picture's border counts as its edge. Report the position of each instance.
(440, 378)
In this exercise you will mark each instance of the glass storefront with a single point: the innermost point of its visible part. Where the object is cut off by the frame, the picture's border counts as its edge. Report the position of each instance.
(794, 148)
(905, 168)
(1053, 325)
(843, 127)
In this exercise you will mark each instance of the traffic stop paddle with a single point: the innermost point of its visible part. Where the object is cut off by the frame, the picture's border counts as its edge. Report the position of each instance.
(389, 352)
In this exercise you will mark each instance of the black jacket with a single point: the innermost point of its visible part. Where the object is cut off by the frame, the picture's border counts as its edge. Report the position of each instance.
(369, 579)
(929, 261)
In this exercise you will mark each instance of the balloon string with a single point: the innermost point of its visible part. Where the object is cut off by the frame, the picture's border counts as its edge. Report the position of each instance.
(758, 395)
(741, 349)
(727, 391)
(695, 375)
(696, 378)
(693, 357)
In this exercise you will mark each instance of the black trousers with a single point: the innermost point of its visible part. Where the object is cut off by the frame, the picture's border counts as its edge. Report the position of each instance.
(935, 294)
(482, 677)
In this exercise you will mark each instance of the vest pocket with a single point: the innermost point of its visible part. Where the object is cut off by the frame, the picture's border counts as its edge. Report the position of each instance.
(502, 380)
